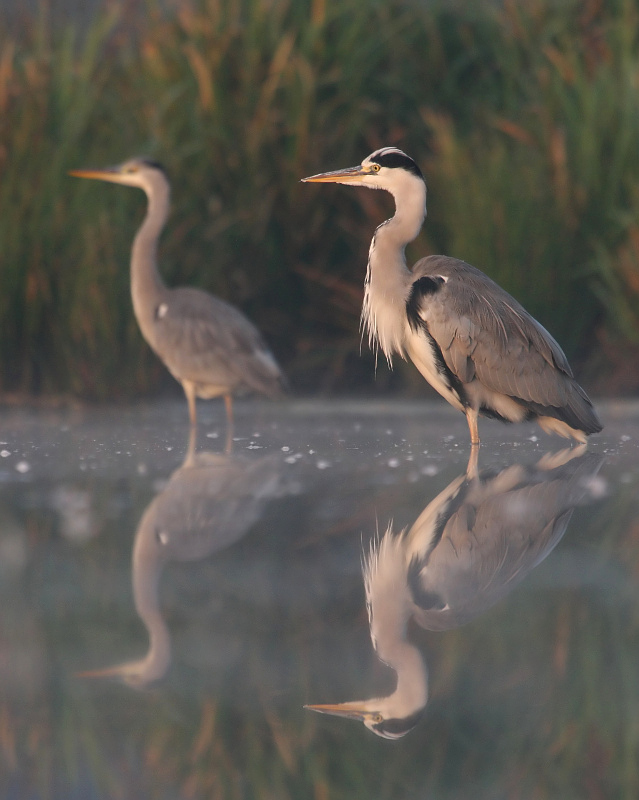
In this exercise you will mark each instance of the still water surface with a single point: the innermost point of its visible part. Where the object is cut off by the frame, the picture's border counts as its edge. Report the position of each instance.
(167, 612)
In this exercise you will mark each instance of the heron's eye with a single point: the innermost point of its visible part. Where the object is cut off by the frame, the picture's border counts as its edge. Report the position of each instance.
(378, 718)
(375, 167)
(131, 169)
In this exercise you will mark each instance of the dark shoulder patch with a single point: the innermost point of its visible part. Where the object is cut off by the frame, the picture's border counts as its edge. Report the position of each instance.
(421, 288)
(397, 160)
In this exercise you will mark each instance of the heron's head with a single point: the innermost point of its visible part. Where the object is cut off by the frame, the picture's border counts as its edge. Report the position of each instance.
(142, 173)
(376, 714)
(388, 168)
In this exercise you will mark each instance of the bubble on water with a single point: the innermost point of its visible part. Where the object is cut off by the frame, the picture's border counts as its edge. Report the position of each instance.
(597, 487)
(626, 438)
(393, 462)
(168, 448)
(286, 449)
(311, 452)
(77, 522)
(290, 460)
(22, 467)
(253, 446)
(533, 438)
(5, 453)
(321, 464)
(430, 469)
(256, 435)
(389, 432)
(213, 435)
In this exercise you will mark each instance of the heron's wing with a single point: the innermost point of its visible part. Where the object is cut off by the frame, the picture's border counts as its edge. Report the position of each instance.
(483, 332)
(203, 339)
(505, 525)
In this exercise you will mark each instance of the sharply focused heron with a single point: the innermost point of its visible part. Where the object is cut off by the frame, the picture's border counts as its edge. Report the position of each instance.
(469, 547)
(209, 346)
(469, 338)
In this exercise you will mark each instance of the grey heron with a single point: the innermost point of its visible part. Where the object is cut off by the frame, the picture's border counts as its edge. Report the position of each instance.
(210, 502)
(470, 546)
(473, 342)
(209, 346)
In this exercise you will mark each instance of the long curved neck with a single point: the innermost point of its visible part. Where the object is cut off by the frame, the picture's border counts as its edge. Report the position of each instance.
(391, 607)
(388, 278)
(146, 572)
(146, 284)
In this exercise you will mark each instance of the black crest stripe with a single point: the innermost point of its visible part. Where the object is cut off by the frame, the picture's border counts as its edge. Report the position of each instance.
(397, 160)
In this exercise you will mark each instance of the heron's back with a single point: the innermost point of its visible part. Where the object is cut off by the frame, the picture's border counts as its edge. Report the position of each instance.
(205, 340)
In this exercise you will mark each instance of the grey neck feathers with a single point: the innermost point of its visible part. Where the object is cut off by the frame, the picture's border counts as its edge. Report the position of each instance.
(390, 609)
(148, 563)
(147, 287)
(388, 278)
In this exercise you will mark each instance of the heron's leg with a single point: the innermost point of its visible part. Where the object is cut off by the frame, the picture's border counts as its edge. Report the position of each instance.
(189, 459)
(473, 463)
(471, 416)
(189, 391)
(228, 403)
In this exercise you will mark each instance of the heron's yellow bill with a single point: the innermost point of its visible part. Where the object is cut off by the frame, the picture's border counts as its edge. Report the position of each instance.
(339, 175)
(96, 174)
(348, 710)
(105, 672)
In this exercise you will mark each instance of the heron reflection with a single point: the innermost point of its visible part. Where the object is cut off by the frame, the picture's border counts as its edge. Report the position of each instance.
(209, 503)
(469, 547)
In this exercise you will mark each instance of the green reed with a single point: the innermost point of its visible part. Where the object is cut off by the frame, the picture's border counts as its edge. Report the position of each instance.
(525, 118)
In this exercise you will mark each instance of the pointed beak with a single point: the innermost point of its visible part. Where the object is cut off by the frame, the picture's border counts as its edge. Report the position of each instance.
(339, 176)
(111, 175)
(116, 671)
(348, 710)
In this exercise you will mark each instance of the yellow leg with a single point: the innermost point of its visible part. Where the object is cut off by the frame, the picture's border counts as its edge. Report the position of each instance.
(228, 403)
(189, 391)
(189, 458)
(471, 416)
(473, 463)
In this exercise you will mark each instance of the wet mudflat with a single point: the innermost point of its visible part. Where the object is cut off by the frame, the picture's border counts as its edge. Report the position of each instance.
(168, 610)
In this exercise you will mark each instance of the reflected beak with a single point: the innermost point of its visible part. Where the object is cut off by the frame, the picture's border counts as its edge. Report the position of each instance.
(107, 672)
(111, 175)
(348, 710)
(340, 175)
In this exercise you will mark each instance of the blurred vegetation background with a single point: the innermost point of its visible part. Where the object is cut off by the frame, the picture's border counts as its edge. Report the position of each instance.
(524, 115)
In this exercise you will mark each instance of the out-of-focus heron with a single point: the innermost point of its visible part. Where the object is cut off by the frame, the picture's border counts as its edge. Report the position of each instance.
(468, 337)
(209, 346)
(209, 503)
(469, 547)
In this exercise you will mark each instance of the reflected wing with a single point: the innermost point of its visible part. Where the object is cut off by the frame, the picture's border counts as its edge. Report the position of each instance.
(502, 527)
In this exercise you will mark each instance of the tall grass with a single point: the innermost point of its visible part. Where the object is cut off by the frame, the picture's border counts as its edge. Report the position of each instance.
(524, 115)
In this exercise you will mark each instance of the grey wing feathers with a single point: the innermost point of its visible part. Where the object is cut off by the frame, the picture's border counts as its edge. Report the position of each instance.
(203, 339)
(485, 333)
